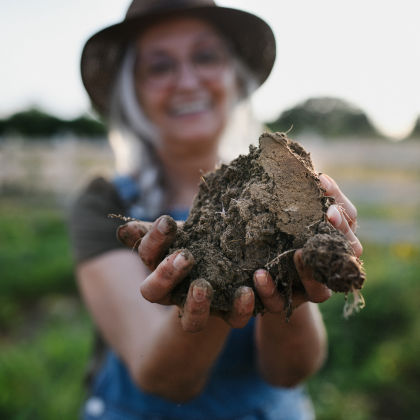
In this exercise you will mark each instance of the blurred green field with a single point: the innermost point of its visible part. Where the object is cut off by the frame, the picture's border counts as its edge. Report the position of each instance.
(373, 369)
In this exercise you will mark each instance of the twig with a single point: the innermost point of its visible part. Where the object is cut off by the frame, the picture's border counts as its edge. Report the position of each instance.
(126, 219)
(205, 183)
(318, 221)
(202, 178)
(279, 256)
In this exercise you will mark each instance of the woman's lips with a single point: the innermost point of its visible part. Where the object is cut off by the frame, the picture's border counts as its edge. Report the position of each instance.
(190, 108)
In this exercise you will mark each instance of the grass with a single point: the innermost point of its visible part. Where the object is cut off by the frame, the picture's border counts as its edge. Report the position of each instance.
(42, 372)
(373, 366)
(373, 369)
(389, 212)
(35, 253)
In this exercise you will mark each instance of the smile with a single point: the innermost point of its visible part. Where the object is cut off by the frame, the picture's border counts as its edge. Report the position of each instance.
(190, 108)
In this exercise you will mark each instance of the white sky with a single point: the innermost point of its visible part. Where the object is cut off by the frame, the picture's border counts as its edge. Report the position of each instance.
(364, 51)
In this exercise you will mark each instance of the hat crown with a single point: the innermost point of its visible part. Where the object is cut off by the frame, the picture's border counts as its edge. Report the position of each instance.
(142, 7)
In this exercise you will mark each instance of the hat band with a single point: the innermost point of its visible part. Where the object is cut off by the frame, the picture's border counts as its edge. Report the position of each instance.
(153, 6)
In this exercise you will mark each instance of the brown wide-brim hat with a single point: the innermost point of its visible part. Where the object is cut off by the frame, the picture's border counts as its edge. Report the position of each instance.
(253, 41)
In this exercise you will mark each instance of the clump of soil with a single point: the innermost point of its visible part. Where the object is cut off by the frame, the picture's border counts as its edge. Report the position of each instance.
(254, 214)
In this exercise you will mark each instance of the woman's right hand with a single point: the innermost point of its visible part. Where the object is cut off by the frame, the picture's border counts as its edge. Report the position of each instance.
(167, 272)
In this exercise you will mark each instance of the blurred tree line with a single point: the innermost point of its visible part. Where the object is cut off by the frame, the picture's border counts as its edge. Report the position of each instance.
(34, 123)
(415, 132)
(328, 117)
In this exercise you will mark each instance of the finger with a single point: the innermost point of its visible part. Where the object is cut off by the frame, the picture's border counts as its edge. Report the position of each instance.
(267, 291)
(332, 190)
(336, 218)
(132, 233)
(243, 306)
(197, 306)
(157, 241)
(315, 291)
(158, 286)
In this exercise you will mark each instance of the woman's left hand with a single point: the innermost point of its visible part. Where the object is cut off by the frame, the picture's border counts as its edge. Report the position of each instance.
(342, 216)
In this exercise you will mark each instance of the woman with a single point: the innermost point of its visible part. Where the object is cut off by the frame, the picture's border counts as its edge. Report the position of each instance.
(167, 80)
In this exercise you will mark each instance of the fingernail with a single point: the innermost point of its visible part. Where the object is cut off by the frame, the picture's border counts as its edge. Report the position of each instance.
(261, 279)
(245, 296)
(334, 216)
(199, 294)
(324, 182)
(163, 226)
(180, 261)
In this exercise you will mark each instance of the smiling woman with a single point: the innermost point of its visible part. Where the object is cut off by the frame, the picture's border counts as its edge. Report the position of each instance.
(168, 79)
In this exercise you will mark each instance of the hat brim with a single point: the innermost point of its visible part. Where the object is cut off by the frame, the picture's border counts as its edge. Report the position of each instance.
(252, 37)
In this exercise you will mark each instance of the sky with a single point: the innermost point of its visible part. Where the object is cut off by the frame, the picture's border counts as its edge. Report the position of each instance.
(363, 51)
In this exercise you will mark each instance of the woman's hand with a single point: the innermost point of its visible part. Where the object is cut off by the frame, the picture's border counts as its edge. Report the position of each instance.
(342, 215)
(167, 273)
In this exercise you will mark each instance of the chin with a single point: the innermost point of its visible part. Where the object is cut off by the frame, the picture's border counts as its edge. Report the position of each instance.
(198, 133)
(197, 137)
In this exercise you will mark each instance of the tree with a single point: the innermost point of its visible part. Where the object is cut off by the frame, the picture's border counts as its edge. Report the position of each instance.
(328, 117)
(34, 123)
(415, 132)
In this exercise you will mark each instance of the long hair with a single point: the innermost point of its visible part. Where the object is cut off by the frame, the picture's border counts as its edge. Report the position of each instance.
(133, 137)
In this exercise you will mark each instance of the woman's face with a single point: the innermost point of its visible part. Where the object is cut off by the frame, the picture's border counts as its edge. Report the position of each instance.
(185, 81)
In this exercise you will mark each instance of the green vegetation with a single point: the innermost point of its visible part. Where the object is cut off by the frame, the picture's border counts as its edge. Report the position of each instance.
(372, 371)
(34, 123)
(327, 117)
(415, 132)
(34, 253)
(373, 365)
(42, 375)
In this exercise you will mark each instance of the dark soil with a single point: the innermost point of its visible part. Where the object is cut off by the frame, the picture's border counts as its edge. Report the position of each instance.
(248, 215)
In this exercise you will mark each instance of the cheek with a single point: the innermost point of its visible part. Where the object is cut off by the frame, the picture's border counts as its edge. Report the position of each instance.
(227, 91)
(152, 104)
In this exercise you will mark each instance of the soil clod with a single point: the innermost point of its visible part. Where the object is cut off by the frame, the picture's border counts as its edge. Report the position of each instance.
(254, 213)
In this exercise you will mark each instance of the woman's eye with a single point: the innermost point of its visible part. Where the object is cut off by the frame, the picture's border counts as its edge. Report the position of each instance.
(159, 68)
(208, 57)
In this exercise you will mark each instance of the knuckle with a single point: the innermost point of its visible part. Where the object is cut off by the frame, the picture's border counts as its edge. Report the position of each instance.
(334, 191)
(320, 297)
(197, 310)
(274, 307)
(166, 272)
(155, 239)
(147, 293)
(319, 293)
(238, 323)
(345, 228)
(145, 257)
(353, 212)
(192, 326)
(358, 249)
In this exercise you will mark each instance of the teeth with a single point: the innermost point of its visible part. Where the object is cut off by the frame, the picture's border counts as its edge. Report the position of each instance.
(190, 108)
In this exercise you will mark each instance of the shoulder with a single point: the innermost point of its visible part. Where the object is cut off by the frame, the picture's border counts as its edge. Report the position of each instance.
(92, 231)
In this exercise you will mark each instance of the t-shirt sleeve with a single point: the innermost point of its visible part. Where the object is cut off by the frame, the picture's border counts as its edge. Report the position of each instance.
(92, 232)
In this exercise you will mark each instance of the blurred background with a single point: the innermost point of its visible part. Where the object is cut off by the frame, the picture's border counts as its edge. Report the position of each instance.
(346, 78)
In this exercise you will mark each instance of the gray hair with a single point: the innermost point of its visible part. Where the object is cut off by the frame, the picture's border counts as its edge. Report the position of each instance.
(133, 136)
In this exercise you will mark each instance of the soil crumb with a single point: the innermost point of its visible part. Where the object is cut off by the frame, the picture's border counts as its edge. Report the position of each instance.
(248, 214)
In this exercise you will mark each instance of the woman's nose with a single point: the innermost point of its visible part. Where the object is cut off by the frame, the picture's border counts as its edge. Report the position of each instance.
(187, 76)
